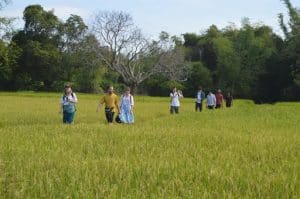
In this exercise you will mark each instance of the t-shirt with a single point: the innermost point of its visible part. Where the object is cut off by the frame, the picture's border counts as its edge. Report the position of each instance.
(68, 106)
(175, 99)
(65, 100)
(110, 101)
(219, 98)
(211, 100)
(199, 97)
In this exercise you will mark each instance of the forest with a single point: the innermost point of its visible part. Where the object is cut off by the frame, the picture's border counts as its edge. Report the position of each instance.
(251, 61)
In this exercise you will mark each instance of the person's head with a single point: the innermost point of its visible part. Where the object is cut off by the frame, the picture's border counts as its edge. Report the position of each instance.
(228, 94)
(127, 91)
(209, 93)
(174, 89)
(199, 88)
(219, 91)
(110, 89)
(67, 89)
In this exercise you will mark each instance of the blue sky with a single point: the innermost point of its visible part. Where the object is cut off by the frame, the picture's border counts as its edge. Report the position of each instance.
(173, 16)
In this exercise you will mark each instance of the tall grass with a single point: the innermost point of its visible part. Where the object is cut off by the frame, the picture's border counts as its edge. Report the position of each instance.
(248, 151)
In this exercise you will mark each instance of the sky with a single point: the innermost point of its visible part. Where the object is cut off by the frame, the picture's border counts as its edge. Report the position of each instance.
(173, 16)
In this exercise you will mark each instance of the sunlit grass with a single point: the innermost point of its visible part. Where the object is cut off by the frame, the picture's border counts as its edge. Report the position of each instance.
(248, 151)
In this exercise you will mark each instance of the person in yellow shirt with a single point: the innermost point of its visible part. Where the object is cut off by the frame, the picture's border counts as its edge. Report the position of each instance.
(110, 100)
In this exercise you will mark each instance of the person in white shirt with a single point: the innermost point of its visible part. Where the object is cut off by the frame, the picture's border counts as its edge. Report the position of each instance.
(211, 100)
(175, 103)
(68, 105)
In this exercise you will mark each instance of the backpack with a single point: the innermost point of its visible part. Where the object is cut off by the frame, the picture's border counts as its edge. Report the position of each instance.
(202, 95)
(118, 119)
(70, 107)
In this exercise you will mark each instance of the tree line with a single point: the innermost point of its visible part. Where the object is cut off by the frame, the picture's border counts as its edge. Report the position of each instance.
(251, 61)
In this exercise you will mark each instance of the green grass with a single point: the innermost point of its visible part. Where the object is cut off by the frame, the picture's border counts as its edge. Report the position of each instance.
(248, 151)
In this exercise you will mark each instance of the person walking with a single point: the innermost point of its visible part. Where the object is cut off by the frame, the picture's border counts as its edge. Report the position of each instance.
(175, 103)
(229, 100)
(210, 101)
(110, 100)
(200, 96)
(126, 107)
(68, 105)
(219, 99)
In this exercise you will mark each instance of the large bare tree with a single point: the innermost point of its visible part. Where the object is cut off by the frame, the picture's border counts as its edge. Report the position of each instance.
(172, 62)
(6, 23)
(128, 52)
(3, 3)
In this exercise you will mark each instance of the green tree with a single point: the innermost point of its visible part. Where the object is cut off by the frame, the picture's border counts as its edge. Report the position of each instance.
(228, 63)
(73, 36)
(40, 61)
(89, 71)
(291, 52)
(5, 69)
(74, 31)
(200, 76)
(255, 46)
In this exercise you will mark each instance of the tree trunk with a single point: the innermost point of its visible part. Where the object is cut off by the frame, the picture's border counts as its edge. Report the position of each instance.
(134, 88)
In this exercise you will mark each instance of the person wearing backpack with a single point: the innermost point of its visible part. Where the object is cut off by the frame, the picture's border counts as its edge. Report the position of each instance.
(200, 96)
(126, 107)
(68, 105)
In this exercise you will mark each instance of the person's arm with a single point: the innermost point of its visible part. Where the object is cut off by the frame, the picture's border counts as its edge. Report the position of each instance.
(215, 101)
(61, 106)
(207, 102)
(117, 105)
(98, 107)
(180, 94)
(100, 104)
(74, 99)
(222, 102)
(132, 103)
(121, 104)
(202, 96)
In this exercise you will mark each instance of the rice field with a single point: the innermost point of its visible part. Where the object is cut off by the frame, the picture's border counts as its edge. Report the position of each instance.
(248, 151)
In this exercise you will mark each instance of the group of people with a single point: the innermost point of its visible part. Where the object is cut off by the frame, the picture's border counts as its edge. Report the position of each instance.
(109, 100)
(125, 109)
(213, 101)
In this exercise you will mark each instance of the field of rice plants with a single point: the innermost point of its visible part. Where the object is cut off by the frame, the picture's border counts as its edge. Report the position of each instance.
(248, 151)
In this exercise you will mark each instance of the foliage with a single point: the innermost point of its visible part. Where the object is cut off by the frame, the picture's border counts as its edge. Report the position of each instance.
(251, 61)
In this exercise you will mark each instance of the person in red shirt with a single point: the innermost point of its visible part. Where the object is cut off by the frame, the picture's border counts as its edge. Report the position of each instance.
(219, 99)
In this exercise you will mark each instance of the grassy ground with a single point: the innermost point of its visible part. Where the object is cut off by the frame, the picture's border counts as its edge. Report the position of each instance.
(248, 151)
